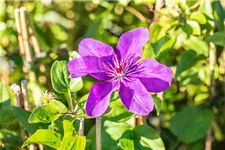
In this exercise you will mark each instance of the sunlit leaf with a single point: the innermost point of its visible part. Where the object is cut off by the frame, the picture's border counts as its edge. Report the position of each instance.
(158, 104)
(59, 76)
(199, 17)
(76, 84)
(48, 113)
(144, 138)
(70, 139)
(163, 44)
(4, 94)
(118, 112)
(196, 30)
(196, 44)
(45, 137)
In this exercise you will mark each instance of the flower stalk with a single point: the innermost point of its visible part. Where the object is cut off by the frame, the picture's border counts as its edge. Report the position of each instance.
(98, 133)
(70, 101)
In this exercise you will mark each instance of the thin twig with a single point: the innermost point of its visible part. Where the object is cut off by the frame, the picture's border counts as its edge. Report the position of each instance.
(98, 133)
(136, 13)
(209, 140)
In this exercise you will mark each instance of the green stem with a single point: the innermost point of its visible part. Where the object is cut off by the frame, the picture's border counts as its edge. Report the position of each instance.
(70, 101)
(98, 133)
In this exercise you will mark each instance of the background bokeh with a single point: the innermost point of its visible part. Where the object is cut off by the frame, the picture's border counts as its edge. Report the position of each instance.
(187, 36)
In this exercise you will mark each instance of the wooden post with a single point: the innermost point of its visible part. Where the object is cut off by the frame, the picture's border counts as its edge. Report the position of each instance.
(19, 100)
(33, 35)
(25, 34)
(25, 95)
(19, 31)
(17, 91)
(98, 134)
(81, 127)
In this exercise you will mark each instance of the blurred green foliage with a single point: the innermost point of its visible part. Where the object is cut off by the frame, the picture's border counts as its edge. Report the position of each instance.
(182, 37)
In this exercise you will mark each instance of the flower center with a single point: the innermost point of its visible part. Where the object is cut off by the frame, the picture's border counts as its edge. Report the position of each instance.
(119, 71)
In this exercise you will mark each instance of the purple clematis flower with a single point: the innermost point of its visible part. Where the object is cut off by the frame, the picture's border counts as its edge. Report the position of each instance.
(120, 71)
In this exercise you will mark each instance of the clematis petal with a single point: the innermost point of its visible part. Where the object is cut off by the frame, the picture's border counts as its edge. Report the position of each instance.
(154, 76)
(91, 47)
(131, 43)
(99, 97)
(92, 65)
(135, 97)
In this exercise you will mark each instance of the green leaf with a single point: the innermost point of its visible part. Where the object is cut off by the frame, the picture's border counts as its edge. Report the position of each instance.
(6, 116)
(73, 142)
(79, 143)
(199, 17)
(127, 141)
(11, 138)
(127, 144)
(188, 59)
(115, 129)
(158, 104)
(4, 94)
(70, 139)
(48, 113)
(83, 98)
(144, 138)
(148, 137)
(118, 112)
(196, 44)
(76, 84)
(186, 28)
(206, 8)
(217, 38)
(192, 123)
(23, 116)
(219, 13)
(155, 32)
(45, 137)
(163, 44)
(196, 30)
(59, 76)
